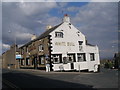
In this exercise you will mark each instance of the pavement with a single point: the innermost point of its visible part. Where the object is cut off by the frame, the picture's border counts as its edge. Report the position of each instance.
(29, 78)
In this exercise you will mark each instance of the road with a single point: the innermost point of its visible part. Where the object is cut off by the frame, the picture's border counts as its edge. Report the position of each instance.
(107, 78)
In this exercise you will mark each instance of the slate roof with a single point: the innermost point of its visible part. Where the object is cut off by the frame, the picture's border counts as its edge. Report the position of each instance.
(43, 35)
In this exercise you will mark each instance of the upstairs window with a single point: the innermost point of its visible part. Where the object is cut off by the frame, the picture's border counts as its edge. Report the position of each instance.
(80, 45)
(58, 34)
(92, 57)
(41, 47)
(80, 42)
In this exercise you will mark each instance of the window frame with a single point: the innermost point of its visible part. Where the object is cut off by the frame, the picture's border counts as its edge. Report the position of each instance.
(83, 55)
(93, 57)
(58, 56)
(41, 60)
(58, 34)
(73, 57)
(40, 47)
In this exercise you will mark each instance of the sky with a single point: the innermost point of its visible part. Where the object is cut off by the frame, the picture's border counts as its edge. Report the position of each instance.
(98, 21)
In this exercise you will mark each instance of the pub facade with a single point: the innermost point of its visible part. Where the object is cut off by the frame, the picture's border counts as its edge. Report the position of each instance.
(62, 47)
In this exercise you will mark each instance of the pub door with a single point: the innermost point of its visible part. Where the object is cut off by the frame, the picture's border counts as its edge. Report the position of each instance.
(35, 62)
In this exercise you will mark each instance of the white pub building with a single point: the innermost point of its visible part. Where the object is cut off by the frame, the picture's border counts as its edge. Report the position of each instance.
(69, 49)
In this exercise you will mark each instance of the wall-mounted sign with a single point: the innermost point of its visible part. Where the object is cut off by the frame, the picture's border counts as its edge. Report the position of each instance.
(64, 43)
(18, 56)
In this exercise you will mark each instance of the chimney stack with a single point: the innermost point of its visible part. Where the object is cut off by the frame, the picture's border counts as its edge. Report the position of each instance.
(48, 27)
(33, 37)
(66, 18)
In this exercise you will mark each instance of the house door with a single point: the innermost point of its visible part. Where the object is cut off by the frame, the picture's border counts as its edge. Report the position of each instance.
(72, 66)
(35, 62)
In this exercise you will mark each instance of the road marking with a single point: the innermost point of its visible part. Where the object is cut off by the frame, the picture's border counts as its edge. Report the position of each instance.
(9, 84)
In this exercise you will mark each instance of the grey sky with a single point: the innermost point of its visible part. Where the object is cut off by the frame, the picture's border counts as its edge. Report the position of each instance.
(98, 21)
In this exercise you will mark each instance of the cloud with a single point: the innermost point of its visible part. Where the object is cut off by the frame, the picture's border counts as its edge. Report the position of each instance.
(16, 31)
(21, 19)
(34, 8)
(62, 5)
(72, 9)
(98, 21)
(5, 46)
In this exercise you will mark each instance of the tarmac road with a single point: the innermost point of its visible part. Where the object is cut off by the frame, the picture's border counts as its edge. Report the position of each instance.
(107, 78)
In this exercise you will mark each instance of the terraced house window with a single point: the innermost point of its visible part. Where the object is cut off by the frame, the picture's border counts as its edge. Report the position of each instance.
(58, 34)
(41, 60)
(41, 47)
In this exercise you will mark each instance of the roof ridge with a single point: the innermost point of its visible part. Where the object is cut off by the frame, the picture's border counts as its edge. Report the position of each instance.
(44, 34)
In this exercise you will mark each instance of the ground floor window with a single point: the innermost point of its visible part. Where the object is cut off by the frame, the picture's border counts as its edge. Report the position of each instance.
(41, 60)
(71, 57)
(81, 57)
(57, 58)
(92, 57)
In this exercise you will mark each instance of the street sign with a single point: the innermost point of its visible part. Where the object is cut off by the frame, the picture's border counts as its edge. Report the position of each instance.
(18, 56)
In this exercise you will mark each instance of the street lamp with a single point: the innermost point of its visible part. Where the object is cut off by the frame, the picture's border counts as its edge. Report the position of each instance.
(15, 47)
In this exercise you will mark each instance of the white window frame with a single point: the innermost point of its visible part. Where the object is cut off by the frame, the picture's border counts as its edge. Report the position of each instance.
(42, 60)
(56, 57)
(58, 34)
(92, 56)
(40, 47)
(80, 45)
(72, 57)
(82, 56)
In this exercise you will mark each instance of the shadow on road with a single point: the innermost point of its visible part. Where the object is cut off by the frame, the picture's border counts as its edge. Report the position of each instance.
(23, 80)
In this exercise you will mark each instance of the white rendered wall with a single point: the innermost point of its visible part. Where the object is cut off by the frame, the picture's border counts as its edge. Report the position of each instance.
(71, 36)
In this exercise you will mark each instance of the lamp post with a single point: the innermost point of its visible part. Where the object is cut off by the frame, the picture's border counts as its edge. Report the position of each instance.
(10, 60)
(15, 48)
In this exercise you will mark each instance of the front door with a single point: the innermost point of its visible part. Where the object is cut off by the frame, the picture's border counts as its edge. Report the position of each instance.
(72, 66)
(35, 62)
